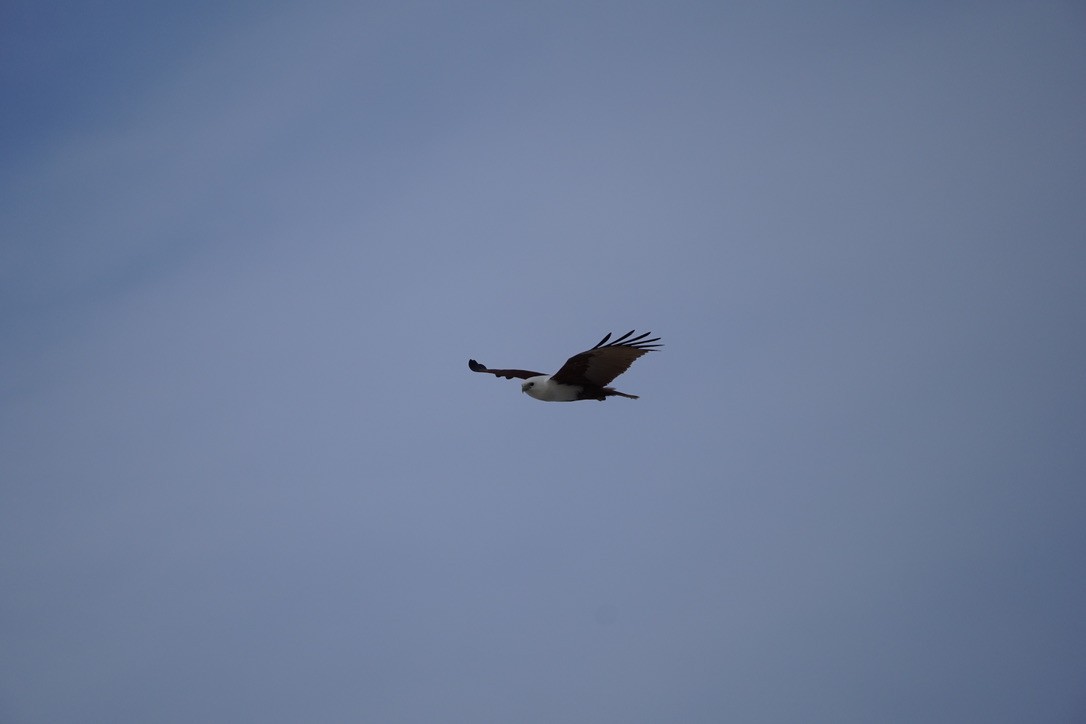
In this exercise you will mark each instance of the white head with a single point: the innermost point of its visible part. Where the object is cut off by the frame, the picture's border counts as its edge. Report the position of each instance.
(535, 386)
(545, 389)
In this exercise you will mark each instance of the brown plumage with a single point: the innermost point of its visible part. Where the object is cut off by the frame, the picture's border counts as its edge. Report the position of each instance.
(507, 374)
(584, 376)
(604, 362)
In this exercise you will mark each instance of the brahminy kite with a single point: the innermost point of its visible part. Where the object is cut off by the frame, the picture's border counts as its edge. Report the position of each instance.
(584, 376)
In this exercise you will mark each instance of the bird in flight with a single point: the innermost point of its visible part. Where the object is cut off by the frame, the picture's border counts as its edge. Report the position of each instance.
(584, 376)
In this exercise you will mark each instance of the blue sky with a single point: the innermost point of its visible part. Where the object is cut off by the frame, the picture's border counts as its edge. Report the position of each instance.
(248, 250)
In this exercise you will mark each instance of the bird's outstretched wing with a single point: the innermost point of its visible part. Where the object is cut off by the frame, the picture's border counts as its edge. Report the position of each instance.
(508, 374)
(606, 361)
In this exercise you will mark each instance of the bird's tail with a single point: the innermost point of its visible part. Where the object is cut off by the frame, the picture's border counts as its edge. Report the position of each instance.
(609, 392)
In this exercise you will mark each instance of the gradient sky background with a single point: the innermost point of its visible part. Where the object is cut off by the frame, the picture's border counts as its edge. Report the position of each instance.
(248, 248)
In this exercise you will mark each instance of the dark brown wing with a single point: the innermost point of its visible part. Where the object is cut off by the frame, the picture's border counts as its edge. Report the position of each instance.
(604, 362)
(508, 374)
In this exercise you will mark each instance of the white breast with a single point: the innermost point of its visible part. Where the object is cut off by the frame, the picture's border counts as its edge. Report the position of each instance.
(543, 388)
